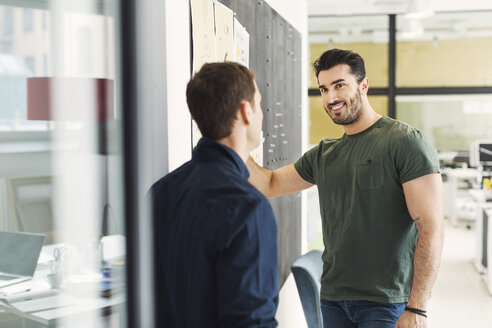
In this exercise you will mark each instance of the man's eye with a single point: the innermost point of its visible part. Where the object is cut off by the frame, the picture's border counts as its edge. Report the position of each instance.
(339, 85)
(323, 90)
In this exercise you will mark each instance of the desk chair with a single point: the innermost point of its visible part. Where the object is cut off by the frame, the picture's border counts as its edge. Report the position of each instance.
(31, 209)
(307, 270)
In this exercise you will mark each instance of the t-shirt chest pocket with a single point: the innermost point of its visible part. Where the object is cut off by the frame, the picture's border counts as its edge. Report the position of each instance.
(370, 173)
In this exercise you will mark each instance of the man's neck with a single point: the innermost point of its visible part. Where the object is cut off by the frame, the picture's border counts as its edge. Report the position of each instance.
(239, 145)
(365, 121)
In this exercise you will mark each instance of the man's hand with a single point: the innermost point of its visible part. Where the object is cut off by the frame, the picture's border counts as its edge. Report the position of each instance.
(411, 320)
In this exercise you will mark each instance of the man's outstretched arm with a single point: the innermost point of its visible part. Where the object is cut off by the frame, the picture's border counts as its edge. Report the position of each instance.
(275, 183)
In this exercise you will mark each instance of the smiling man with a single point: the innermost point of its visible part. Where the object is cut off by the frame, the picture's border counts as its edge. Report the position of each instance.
(380, 201)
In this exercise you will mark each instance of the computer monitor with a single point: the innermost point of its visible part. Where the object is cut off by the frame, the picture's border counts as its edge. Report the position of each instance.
(481, 153)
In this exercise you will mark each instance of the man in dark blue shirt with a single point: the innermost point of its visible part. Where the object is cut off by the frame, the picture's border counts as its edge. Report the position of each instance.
(216, 236)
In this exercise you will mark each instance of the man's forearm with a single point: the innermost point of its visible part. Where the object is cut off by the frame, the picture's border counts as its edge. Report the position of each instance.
(426, 260)
(280, 182)
(259, 177)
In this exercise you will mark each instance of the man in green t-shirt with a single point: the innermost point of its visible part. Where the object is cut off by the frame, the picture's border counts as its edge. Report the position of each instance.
(380, 196)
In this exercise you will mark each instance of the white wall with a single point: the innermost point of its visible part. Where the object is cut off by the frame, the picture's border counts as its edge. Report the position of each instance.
(178, 74)
(294, 11)
(165, 70)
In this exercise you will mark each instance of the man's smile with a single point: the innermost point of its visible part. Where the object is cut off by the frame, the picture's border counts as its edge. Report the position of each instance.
(337, 107)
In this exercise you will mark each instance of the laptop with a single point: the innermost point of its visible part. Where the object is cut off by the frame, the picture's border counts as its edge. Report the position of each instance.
(19, 253)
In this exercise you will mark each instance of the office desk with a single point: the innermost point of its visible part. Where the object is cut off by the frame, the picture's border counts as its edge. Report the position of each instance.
(452, 191)
(80, 302)
(483, 238)
(53, 310)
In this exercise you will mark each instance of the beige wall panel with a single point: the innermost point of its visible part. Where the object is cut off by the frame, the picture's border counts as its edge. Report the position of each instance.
(464, 62)
(379, 104)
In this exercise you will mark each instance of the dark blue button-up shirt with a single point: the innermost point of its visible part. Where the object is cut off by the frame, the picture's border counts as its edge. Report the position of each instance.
(216, 244)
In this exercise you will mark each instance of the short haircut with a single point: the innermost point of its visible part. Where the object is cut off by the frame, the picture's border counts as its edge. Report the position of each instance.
(214, 95)
(333, 57)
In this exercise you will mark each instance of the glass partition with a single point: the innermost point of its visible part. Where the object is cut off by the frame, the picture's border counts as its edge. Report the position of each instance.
(450, 123)
(61, 163)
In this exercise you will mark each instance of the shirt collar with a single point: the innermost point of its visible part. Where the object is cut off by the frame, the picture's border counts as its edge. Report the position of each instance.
(375, 125)
(208, 149)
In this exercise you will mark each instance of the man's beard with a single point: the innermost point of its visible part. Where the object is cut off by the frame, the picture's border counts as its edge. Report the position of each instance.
(354, 110)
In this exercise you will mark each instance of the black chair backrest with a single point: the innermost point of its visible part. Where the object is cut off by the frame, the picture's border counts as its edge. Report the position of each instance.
(307, 270)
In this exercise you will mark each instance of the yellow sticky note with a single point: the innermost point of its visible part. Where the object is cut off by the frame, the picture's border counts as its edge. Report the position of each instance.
(486, 183)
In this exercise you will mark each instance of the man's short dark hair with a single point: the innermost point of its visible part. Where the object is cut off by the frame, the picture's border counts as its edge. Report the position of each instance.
(214, 95)
(333, 57)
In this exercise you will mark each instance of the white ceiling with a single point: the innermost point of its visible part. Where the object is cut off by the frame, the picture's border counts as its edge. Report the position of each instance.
(367, 20)
(352, 7)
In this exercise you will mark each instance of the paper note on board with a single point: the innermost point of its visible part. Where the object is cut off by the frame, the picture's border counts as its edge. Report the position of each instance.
(241, 44)
(224, 28)
(204, 45)
(202, 18)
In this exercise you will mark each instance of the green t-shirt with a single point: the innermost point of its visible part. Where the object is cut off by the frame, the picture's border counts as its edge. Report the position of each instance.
(368, 234)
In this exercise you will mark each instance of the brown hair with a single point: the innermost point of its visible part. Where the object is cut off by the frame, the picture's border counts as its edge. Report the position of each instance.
(214, 95)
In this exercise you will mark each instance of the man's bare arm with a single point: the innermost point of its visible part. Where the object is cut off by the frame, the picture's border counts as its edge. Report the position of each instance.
(279, 182)
(424, 201)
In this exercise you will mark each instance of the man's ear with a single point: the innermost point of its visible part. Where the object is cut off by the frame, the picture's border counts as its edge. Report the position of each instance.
(365, 85)
(245, 112)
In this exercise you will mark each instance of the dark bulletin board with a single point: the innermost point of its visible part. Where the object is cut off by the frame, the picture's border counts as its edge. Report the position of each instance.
(275, 57)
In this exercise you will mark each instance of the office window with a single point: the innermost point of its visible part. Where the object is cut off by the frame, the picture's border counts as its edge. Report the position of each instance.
(450, 123)
(30, 204)
(17, 64)
(84, 49)
(447, 49)
(28, 20)
(45, 65)
(8, 21)
(45, 17)
(31, 64)
(89, 54)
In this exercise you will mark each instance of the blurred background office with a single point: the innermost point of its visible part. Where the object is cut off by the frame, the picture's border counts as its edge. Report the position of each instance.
(93, 111)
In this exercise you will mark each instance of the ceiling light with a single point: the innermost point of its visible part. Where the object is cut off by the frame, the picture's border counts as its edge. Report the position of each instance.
(412, 28)
(356, 30)
(419, 9)
(460, 27)
(329, 43)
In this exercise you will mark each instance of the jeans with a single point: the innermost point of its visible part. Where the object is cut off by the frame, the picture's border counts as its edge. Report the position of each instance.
(360, 314)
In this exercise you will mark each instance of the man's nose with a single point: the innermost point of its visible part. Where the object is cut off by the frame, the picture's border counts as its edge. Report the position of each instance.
(332, 98)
